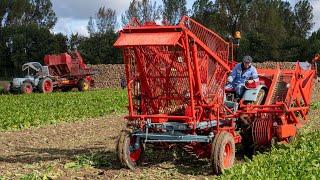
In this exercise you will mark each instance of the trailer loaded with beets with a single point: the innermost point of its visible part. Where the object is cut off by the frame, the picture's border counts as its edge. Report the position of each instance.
(176, 78)
(60, 72)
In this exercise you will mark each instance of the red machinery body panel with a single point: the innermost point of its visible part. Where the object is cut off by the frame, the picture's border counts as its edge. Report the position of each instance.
(176, 77)
(66, 65)
(129, 39)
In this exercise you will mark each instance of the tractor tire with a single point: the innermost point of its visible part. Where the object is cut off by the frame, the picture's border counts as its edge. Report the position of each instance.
(7, 88)
(45, 85)
(129, 155)
(222, 152)
(26, 88)
(83, 85)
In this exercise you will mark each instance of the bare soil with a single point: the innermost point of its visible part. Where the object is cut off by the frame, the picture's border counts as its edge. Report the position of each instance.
(48, 150)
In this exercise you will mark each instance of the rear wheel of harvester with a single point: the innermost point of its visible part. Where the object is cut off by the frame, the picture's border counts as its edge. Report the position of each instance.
(83, 85)
(222, 152)
(130, 150)
(26, 88)
(46, 85)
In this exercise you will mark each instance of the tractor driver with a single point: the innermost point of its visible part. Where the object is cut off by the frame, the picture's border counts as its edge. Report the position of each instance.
(242, 73)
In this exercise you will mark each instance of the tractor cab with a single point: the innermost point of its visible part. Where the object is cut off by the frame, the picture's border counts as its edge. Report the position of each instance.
(32, 69)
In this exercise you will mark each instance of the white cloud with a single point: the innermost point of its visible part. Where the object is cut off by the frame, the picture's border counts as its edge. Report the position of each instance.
(69, 26)
(83, 9)
(73, 15)
(316, 13)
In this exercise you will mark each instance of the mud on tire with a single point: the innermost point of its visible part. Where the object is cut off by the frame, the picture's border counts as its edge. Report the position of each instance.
(26, 88)
(128, 153)
(222, 152)
(45, 85)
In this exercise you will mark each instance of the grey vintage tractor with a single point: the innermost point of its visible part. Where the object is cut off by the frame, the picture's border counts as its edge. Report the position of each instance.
(36, 79)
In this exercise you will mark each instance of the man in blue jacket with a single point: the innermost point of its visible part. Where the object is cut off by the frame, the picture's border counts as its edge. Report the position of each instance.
(242, 73)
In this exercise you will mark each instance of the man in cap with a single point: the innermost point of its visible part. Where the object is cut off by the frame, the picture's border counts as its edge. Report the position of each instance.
(242, 73)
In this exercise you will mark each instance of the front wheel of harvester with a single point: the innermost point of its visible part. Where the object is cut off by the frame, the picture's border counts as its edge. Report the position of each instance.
(130, 150)
(46, 85)
(26, 88)
(222, 152)
(83, 85)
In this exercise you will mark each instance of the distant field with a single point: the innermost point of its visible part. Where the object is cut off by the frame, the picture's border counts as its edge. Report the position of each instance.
(19, 111)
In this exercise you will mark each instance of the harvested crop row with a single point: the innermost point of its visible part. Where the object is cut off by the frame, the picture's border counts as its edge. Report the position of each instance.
(109, 75)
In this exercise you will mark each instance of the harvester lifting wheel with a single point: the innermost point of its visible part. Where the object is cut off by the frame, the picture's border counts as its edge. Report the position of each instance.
(130, 150)
(26, 88)
(46, 85)
(83, 85)
(222, 152)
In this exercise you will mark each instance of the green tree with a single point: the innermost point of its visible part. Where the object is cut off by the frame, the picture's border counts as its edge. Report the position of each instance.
(202, 11)
(303, 16)
(22, 12)
(313, 44)
(91, 27)
(173, 10)
(17, 12)
(230, 15)
(144, 10)
(264, 30)
(27, 43)
(74, 41)
(106, 20)
(42, 13)
(98, 49)
(3, 10)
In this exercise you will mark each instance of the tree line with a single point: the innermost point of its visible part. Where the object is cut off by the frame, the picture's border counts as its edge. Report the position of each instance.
(271, 29)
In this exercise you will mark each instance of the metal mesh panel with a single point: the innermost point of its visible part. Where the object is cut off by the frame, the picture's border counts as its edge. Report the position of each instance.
(160, 80)
(212, 76)
(282, 89)
(209, 38)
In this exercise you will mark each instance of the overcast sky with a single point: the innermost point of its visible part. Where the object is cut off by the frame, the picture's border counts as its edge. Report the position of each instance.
(73, 15)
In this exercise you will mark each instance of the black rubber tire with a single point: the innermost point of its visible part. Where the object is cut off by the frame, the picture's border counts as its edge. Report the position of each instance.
(83, 85)
(123, 150)
(7, 88)
(247, 144)
(26, 88)
(42, 85)
(222, 141)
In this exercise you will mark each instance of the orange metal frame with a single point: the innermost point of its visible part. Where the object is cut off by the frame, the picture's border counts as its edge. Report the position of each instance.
(184, 68)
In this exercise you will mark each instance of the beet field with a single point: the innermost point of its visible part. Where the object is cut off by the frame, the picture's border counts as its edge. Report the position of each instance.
(72, 136)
